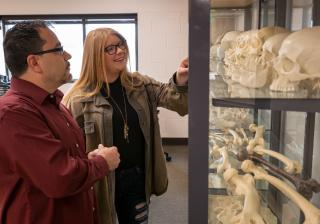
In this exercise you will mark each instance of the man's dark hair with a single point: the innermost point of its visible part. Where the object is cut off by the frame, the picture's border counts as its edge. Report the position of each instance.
(20, 41)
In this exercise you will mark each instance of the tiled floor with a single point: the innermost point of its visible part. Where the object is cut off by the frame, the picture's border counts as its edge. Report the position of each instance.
(172, 207)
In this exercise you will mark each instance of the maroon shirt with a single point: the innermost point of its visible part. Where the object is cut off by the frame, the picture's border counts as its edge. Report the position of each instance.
(45, 175)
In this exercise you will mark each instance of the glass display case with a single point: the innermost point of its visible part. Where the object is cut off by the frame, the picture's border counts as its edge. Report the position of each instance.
(261, 163)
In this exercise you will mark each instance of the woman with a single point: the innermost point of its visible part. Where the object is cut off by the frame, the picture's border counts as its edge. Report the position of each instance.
(116, 107)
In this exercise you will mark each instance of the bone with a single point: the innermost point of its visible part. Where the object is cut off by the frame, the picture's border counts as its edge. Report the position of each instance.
(311, 213)
(257, 145)
(291, 166)
(258, 137)
(244, 185)
(226, 163)
(245, 137)
(236, 138)
(214, 152)
(304, 187)
(217, 137)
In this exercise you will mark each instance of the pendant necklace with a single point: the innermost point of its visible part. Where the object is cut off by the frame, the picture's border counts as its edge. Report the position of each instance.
(124, 118)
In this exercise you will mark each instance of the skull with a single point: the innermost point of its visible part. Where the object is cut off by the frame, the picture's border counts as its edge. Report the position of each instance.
(244, 66)
(298, 60)
(271, 48)
(234, 56)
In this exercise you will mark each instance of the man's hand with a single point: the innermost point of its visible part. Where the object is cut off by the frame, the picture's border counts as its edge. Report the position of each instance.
(183, 72)
(110, 154)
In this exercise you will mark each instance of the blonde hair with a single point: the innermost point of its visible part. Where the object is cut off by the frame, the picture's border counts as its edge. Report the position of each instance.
(93, 71)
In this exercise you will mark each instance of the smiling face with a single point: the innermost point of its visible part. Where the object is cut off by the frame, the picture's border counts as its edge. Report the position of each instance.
(116, 54)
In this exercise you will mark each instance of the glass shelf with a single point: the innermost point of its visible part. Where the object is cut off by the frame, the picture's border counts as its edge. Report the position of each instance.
(226, 93)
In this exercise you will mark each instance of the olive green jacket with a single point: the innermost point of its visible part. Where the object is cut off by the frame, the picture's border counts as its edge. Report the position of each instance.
(94, 116)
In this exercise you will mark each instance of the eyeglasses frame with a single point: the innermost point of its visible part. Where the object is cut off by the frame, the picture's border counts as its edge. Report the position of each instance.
(57, 49)
(121, 43)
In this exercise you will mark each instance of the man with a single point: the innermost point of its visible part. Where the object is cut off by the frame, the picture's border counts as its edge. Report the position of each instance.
(45, 175)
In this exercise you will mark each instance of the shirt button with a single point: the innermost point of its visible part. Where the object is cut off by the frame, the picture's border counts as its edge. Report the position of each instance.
(68, 124)
(77, 145)
(51, 96)
(92, 188)
(93, 208)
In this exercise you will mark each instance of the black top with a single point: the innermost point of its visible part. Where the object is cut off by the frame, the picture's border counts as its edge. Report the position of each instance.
(132, 152)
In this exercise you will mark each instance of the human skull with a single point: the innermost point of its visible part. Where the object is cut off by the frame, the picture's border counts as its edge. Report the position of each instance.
(234, 56)
(270, 50)
(243, 64)
(298, 60)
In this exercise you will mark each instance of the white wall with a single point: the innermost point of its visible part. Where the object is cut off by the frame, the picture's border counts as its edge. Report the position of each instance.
(162, 37)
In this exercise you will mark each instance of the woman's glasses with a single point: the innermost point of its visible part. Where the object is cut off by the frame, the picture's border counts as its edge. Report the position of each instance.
(112, 49)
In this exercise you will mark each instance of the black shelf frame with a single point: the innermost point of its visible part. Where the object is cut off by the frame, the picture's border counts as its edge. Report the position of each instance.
(199, 41)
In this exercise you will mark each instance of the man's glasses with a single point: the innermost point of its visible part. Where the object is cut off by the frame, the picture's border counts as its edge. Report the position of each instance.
(59, 50)
(112, 49)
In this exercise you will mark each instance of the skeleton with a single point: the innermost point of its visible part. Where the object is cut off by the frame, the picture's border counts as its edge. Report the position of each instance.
(242, 61)
(244, 185)
(311, 213)
(298, 60)
(257, 145)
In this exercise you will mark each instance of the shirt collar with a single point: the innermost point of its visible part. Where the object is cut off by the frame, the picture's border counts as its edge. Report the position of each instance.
(34, 92)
